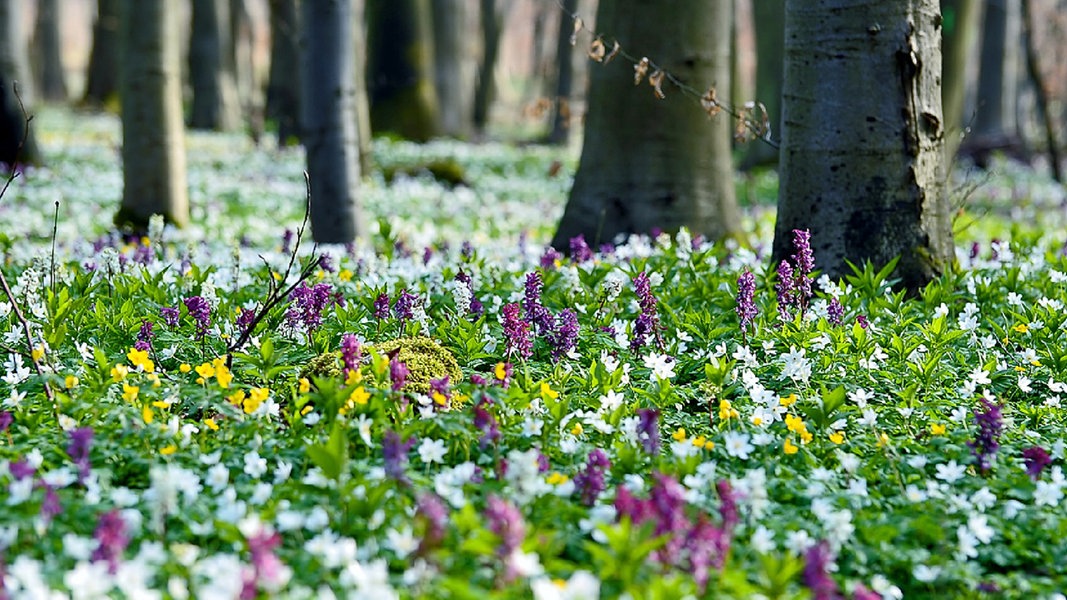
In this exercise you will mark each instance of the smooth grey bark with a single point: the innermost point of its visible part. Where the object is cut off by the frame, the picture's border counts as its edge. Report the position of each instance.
(153, 136)
(561, 113)
(364, 133)
(212, 68)
(1041, 92)
(651, 163)
(283, 81)
(400, 79)
(492, 20)
(769, 16)
(959, 54)
(48, 52)
(998, 78)
(863, 171)
(16, 144)
(14, 62)
(102, 79)
(453, 67)
(328, 120)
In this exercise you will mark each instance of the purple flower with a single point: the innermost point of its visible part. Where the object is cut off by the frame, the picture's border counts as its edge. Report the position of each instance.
(835, 312)
(395, 452)
(486, 422)
(326, 263)
(549, 258)
(580, 250)
(350, 354)
(287, 241)
(268, 570)
(535, 312)
(441, 386)
(746, 307)
(308, 302)
(145, 334)
(648, 321)
(433, 512)
(170, 316)
(648, 429)
(862, 321)
(21, 469)
(861, 592)
(398, 374)
(476, 308)
(81, 439)
(817, 573)
(427, 254)
(505, 520)
(987, 439)
(111, 538)
(787, 296)
(516, 332)
(466, 251)
(506, 380)
(804, 261)
(1035, 458)
(381, 306)
(245, 318)
(565, 336)
(200, 310)
(50, 506)
(5, 420)
(404, 309)
(590, 481)
(727, 504)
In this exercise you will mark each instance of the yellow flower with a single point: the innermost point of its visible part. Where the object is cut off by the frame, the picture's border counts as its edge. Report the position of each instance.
(1036, 362)
(206, 370)
(211, 424)
(70, 382)
(757, 420)
(140, 359)
(837, 437)
(727, 411)
(256, 396)
(679, 434)
(306, 410)
(237, 398)
(789, 400)
(1021, 328)
(345, 275)
(937, 429)
(1019, 369)
(805, 436)
(883, 439)
(789, 447)
(161, 404)
(439, 399)
(154, 379)
(147, 415)
(119, 372)
(795, 424)
(37, 353)
(168, 450)
(129, 392)
(223, 376)
(700, 441)
(185, 367)
(555, 478)
(501, 371)
(548, 392)
(354, 377)
(305, 385)
(359, 396)
(577, 429)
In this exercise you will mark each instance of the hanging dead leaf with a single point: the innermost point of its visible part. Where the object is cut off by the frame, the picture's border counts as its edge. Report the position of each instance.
(656, 81)
(578, 24)
(640, 70)
(614, 50)
(710, 103)
(597, 50)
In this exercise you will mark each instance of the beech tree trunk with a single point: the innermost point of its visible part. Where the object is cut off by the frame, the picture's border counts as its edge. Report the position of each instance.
(769, 16)
(14, 61)
(283, 85)
(648, 162)
(102, 83)
(400, 77)
(328, 120)
(561, 113)
(959, 54)
(453, 72)
(863, 171)
(48, 49)
(492, 23)
(998, 78)
(17, 145)
(212, 67)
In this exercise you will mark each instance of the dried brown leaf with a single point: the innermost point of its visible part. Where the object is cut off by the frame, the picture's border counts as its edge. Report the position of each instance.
(614, 50)
(640, 70)
(656, 81)
(578, 24)
(597, 50)
(710, 103)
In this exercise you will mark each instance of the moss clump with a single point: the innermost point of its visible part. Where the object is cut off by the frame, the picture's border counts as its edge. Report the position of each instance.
(425, 360)
(323, 365)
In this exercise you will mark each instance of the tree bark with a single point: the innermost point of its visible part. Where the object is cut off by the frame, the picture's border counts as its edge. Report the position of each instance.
(328, 120)
(49, 52)
(14, 62)
(561, 113)
(212, 68)
(864, 172)
(492, 24)
(283, 85)
(102, 85)
(364, 133)
(959, 42)
(998, 78)
(153, 137)
(400, 82)
(656, 163)
(769, 16)
(453, 76)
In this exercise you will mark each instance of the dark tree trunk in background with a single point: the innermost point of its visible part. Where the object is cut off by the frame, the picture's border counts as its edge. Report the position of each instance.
(961, 21)
(283, 85)
(48, 51)
(561, 113)
(998, 78)
(453, 75)
(14, 70)
(400, 78)
(249, 98)
(14, 61)
(153, 137)
(328, 119)
(364, 132)
(648, 162)
(102, 79)
(863, 171)
(492, 20)
(211, 68)
(769, 16)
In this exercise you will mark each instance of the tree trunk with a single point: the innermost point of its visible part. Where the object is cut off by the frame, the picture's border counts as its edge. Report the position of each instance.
(17, 145)
(211, 68)
(14, 63)
(328, 120)
(153, 146)
(492, 24)
(102, 85)
(961, 20)
(49, 52)
(364, 133)
(453, 77)
(864, 172)
(400, 70)
(656, 163)
(769, 16)
(561, 114)
(283, 86)
(995, 124)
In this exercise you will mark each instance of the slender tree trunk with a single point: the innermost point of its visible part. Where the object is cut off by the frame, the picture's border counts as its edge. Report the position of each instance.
(364, 132)
(561, 114)
(49, 52)
(453, 77)
(864, 172)
(769, 16)
(1041, 93)
(283, 85)
(995, 124)
(656, 163)
(492, 24)
(102, 79)
(328, 117)
(17, 145)
(959, 54)
(14, 62)
(153, 137)
(400, 78)
(211, 68)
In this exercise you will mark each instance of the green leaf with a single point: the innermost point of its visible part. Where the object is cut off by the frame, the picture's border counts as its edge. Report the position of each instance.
(331, 457)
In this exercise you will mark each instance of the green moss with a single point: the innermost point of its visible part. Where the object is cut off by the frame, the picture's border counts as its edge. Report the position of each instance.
(323, 365)
(425, 360)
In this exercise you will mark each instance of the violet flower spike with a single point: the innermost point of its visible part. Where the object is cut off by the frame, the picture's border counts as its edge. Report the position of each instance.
(987, 439)
(112, 538)
(746, 306)
(1035, 458)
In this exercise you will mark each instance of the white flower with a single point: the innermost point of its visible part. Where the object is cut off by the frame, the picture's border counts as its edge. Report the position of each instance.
(798, 541)
(218, 477)
(432, 451)
(582, 585)
(925, 574)
(402, 542)
(1047, 494)
(363, 424)
(255, 465)
(983, 499)
(860, 397)
(611, 401)
(88, 580)
(737, 444)
(968, 543)
(950, 472)
(662, 366)
(795, 365)
(979, 527)
(762, 540)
